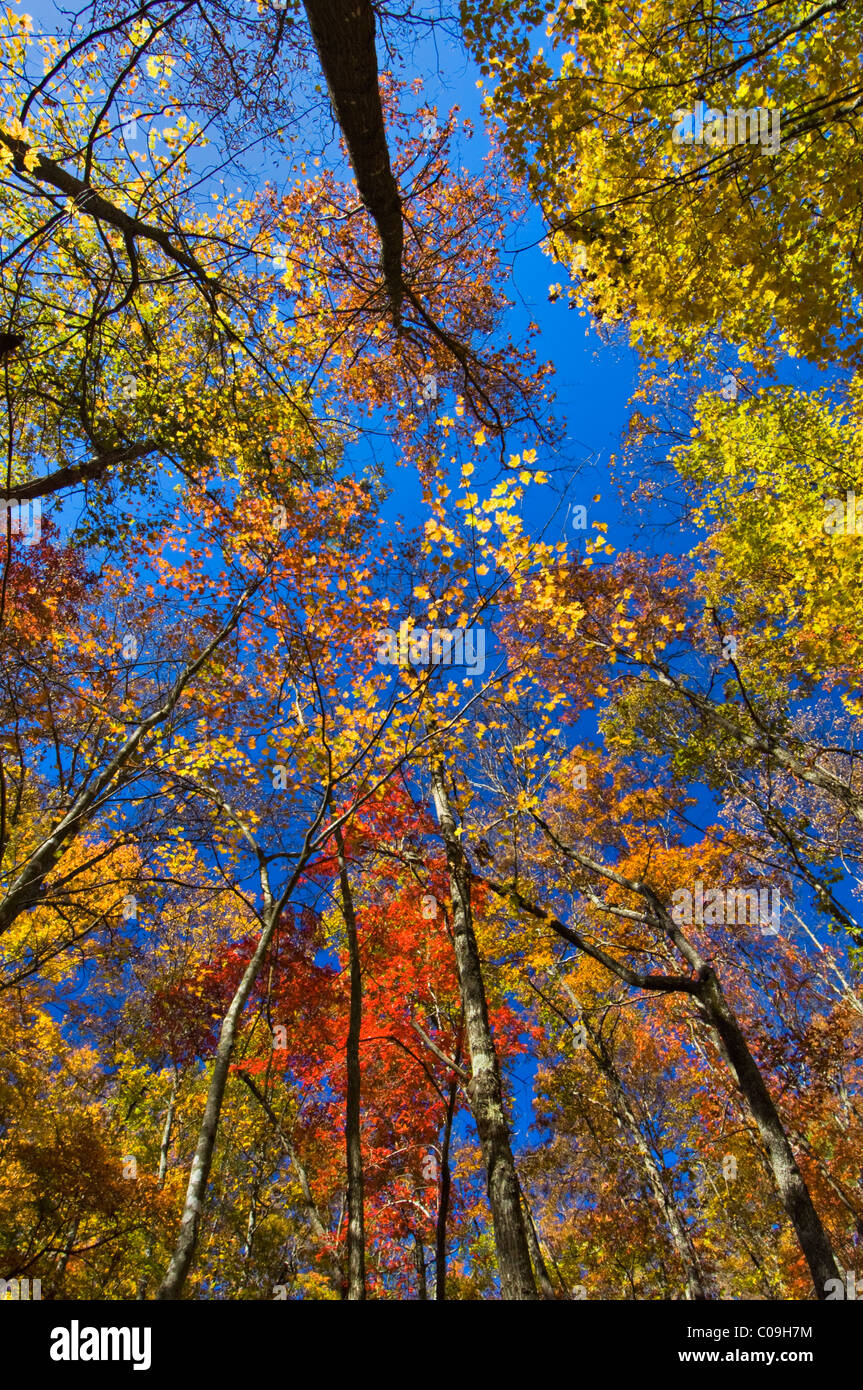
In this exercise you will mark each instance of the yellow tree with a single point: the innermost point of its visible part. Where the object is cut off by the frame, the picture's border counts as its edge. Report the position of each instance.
(697, 171)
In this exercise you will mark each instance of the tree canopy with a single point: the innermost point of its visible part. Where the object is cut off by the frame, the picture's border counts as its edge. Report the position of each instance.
(419, 881)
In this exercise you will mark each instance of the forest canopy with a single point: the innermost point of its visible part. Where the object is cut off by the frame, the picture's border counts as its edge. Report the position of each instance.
(431, 651)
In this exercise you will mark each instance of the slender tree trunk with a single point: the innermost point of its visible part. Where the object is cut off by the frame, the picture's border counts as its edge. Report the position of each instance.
(65, 1253)
(420, 1262)
(344, 35)
(353, 1137)
(546, 1287)
(252, 1221)
(793, 1192)
(187, 1240)
(718, 1015)
(164, 1149)
(513, 1253)
(445, 1181)
(695, 1283)
(165, 1145)
(313, 1217)
(28, 888)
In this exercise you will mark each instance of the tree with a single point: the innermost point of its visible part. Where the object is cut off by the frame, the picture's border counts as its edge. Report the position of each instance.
(741, 224)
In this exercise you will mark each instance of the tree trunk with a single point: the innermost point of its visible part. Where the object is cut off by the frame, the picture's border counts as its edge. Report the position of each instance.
(65, 1253)
(187, 1240)
(793, 1192)
(353, 1138)
(445, 1182)
(313, 1217)
(695, 1284)
(28, 888)
(420, 1262)
(504, 1195)
(164, 1148)
(718, 1015)
(344, 35)
(166, 1133)
(546, 1287)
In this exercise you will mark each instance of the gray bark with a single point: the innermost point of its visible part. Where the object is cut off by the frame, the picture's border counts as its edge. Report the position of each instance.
(715, 1011)
(695, 1284)
(790, 1185)
(187, 1241)
(353, 1137)
(310, 1208)
(166, 1134)
(486, 1091)
(445, 1181)
(420, 1262)
(543, 1279)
